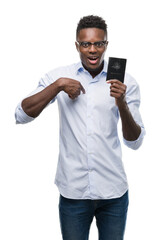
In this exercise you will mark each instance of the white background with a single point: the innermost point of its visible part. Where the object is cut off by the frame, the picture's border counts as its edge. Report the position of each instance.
(37, 36)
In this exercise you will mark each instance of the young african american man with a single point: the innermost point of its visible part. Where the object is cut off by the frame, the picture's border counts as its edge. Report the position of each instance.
(90, 174)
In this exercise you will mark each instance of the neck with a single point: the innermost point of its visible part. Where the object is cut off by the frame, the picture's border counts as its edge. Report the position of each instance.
(94, 72)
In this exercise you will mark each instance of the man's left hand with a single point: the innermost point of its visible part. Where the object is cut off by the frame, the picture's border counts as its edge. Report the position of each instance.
(117, 90)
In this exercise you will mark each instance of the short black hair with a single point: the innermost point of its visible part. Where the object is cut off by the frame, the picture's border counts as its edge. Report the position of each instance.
(91, 21)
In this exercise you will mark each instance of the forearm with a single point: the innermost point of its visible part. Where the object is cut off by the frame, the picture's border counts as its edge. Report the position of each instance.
(131, 130)
(35, 104)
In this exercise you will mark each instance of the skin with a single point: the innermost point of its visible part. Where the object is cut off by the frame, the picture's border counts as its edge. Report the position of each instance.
(35, 104)
(131, 130)
(92, 35)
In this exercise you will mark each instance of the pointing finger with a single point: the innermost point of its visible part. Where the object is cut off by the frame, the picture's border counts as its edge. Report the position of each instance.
(82, 89)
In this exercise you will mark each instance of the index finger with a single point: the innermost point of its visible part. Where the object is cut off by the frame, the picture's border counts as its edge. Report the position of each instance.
(82, 89)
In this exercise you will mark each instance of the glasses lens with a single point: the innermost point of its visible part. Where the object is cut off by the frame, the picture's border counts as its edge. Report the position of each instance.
(99, 44)
(85, 44)
(96, 44)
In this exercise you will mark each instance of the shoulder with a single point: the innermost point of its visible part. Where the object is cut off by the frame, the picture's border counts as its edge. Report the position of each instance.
(129, 80)
(59, 72)
(63, 71)
(133, 90)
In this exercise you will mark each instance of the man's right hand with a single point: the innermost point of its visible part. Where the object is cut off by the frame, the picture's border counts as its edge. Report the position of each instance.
(72, 87)
(34, 104)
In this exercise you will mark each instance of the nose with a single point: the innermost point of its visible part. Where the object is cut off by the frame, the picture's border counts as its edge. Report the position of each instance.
(92, 49)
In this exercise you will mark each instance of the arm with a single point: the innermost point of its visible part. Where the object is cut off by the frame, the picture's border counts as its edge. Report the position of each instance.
(132, 131)
(33, 105)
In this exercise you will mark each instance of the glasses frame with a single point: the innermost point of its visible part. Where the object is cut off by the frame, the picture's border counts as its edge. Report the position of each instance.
(93, 43)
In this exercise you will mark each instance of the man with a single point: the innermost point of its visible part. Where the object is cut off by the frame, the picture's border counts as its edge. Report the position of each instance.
(90, 174)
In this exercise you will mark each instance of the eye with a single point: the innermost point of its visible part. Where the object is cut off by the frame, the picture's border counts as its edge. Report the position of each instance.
(85, 44)
(99, 44)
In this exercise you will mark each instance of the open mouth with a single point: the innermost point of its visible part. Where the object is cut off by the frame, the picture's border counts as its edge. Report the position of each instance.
(93, 60)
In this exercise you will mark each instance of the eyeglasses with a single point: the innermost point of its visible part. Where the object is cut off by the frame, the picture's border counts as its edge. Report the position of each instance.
(99, 44)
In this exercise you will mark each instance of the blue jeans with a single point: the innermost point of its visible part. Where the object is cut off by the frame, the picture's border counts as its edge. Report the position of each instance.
(76, 217)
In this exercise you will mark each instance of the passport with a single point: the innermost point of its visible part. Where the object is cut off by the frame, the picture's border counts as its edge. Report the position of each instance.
(116, 68)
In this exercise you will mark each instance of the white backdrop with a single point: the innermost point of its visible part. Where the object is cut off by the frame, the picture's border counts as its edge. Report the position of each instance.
(37, 36)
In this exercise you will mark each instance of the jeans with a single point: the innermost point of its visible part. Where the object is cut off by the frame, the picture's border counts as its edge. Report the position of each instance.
(76, 217)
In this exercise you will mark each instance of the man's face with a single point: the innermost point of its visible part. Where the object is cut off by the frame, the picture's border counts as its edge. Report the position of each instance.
(92, 56)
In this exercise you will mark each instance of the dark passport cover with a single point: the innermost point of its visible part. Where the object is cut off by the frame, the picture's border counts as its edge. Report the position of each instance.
(116, 68)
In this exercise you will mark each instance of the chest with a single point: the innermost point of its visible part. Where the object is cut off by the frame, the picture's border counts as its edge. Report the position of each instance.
(96, 100)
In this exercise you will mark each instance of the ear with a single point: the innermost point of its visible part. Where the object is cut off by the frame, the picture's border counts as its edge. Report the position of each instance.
(77, 46)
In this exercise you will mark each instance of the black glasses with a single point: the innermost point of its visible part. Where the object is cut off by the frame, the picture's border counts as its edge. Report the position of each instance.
(99, 44)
